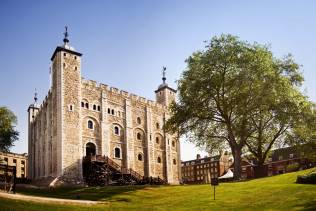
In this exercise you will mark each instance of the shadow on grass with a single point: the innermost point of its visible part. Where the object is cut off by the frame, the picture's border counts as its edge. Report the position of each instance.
(108, 193)
(311, 205)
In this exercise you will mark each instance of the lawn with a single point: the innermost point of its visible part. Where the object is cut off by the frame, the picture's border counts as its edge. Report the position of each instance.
(272, 193)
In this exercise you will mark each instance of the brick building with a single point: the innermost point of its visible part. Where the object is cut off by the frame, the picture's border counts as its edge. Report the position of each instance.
(201, 170)
(14, 159)
(79, 118)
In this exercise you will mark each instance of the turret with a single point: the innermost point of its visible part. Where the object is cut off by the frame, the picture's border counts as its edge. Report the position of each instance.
(165, 94)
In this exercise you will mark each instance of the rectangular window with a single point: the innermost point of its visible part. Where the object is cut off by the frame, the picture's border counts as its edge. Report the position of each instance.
(14, 160)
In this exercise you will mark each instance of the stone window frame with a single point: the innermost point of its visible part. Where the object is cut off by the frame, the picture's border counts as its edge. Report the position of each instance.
(141, 156)
(159, 160)
(120, 152)
(139, 136)
(118, 132)
(88, 124)
(71, 107)
(138, 120)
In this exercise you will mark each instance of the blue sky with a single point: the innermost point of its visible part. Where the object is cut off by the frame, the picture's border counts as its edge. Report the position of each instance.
(126, 43)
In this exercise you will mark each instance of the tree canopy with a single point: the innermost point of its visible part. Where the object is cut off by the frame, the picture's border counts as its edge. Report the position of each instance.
(234, 94)
(8, 134)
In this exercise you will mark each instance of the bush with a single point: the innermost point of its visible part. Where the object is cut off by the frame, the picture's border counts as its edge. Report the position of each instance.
(307, 179)
(292, 167)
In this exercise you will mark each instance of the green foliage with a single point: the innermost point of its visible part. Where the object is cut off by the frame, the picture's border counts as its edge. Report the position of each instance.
(292, 167)
(8, 134)
(234, 94)
(271, 193)
(307, 179)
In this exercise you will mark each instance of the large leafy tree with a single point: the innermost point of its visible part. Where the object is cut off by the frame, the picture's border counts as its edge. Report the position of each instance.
(8, 134)
(280, 109)
(222, 90)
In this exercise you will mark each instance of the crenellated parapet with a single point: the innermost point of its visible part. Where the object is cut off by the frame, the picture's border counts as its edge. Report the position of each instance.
(93, 85)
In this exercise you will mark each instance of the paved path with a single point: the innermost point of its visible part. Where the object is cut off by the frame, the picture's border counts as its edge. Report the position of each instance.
(47, 199)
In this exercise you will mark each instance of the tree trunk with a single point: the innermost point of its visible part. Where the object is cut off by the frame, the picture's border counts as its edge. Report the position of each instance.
(261, 170)
(237, 163)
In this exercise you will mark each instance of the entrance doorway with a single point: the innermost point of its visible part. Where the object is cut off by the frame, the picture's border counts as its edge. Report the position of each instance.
(90, 149)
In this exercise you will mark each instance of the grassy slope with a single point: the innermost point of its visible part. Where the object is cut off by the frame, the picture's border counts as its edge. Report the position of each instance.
(278, 192)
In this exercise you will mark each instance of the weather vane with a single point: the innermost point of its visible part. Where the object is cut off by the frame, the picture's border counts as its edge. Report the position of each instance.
(164, 74)
(66, 35)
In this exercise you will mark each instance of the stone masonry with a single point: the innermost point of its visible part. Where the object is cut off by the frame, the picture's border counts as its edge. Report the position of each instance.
(80, 117)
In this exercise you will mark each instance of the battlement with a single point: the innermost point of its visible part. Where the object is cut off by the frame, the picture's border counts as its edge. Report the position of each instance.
(91, 84)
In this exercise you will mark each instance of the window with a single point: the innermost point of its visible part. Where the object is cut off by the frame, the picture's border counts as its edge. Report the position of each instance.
(22, 162)
(139, 121)
(139, 136)
(109, 110)
(112, 111)
(82, 104)
(291, 155)
(75, 58)
(22, 168)
(87, 105)
(280, 157)
(116, 130)
(75, 67)
(99, 108)
(6, 159)
(117, 153)
(173, 144)
(14, 160)
(159, 160)
(157, 140)
(71, 108)
(90, 124)
(174, 162)
(65, 54)
(140, 157)
(157, 125)
(94, 107)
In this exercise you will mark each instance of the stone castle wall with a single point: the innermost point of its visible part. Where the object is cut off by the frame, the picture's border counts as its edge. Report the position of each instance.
(59, 132)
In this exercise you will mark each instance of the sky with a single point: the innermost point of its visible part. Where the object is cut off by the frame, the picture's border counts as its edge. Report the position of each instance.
(125, 44)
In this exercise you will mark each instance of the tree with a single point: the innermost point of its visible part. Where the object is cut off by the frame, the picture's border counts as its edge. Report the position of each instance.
(221, 90)
(280, 109)
(8, 134)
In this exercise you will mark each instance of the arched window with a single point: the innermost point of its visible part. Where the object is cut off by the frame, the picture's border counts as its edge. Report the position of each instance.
(117, 152)
(140, 157)
(139, 120)
(116, 130)
(157, 125)
(112, 111)
(94, 107)
(82, 104)
(87, 105)
(159, 160)
(90, 149)
(90, 124)
(99, 108)
(173, 144)
(157, 140)
(174, 162)
(139, 136)
(109, 110)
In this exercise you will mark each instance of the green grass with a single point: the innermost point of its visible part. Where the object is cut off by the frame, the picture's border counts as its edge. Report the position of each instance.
(272, 193)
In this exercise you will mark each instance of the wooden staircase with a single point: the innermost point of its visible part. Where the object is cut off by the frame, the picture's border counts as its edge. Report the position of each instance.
(101, 170)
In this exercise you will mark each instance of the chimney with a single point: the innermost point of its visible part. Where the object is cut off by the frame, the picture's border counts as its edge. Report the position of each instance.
(198, 156)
